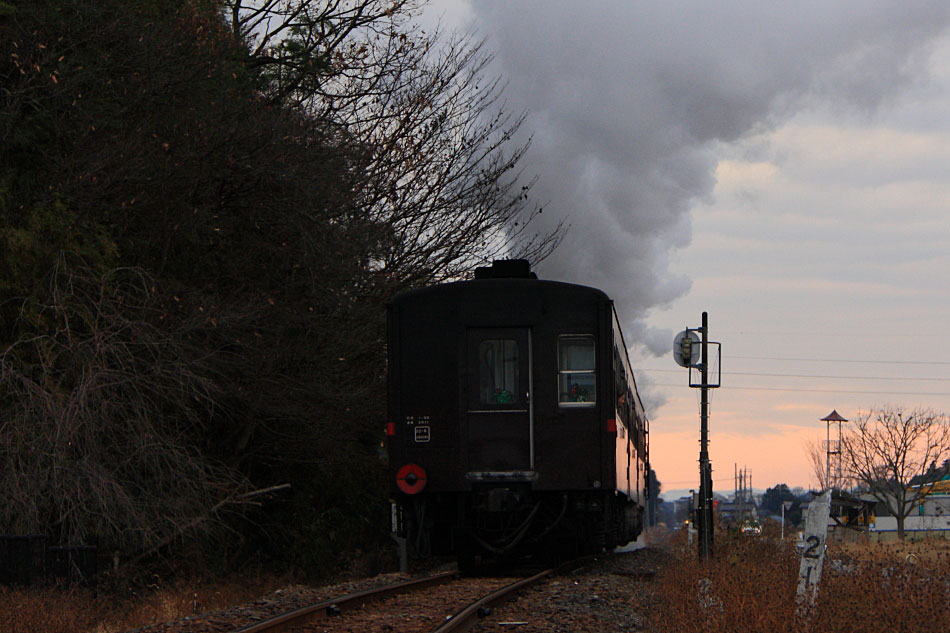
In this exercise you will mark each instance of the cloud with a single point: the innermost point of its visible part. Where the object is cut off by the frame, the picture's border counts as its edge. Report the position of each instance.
(630, 104)
(651, 396)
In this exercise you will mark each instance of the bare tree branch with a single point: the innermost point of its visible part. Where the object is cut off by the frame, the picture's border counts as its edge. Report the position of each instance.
(101, 416)
(887, 449)
(816, 455)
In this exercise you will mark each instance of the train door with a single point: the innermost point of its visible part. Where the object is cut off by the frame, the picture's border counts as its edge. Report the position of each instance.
(499, 400)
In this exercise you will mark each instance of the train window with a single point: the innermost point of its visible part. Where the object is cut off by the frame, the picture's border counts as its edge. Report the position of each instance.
(576, 364)
(498, 372)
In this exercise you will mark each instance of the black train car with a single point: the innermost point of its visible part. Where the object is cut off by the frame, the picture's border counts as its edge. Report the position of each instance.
(514, 419)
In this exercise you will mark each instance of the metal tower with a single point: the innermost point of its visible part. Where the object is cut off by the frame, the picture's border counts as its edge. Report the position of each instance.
(833, 450)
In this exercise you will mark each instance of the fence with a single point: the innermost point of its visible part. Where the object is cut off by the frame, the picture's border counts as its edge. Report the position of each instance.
(27, 560)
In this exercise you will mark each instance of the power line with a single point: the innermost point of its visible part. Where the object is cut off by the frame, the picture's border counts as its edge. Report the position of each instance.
(683, 483)
(775, 333)
(751, 373)
(847, 360)
(789, 389)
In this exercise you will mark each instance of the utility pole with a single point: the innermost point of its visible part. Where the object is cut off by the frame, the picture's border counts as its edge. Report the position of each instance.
(743, 495)
(736, 500)
(685, 354)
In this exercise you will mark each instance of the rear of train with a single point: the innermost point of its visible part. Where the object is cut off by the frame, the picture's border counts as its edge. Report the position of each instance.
(514, 421)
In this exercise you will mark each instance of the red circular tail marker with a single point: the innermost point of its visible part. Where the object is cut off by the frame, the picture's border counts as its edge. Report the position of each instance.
(411, 479)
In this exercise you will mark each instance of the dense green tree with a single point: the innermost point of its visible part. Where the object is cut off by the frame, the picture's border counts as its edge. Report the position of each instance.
(130, 150)
(775, 496)
(933, 473)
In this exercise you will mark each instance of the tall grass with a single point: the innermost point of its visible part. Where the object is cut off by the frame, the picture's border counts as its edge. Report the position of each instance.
(750, 584)
(53, 610)
(46, 611)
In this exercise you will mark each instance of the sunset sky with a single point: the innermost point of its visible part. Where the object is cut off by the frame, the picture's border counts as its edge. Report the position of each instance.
(784, 167)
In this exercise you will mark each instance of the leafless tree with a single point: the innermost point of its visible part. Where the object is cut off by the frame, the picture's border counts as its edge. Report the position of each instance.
(816, 455)
(441, 186)
(306, 46)
(885, 449)
(100, 417)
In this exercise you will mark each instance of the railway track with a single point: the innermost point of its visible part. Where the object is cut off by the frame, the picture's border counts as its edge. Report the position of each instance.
(442, 603)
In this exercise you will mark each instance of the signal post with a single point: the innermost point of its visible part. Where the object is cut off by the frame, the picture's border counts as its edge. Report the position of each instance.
(691, 350)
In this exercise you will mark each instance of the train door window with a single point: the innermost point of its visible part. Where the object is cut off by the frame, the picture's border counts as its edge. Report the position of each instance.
(498, 373)
(576, 365)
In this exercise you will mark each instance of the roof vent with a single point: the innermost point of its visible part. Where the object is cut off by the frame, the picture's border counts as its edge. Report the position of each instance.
(506, 269)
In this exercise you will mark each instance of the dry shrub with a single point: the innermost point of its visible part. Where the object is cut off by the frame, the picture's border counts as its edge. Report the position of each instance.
(750, 586)
(898, 587)
(102, 410)
(46, 611)
(183, 598)
(52, 610)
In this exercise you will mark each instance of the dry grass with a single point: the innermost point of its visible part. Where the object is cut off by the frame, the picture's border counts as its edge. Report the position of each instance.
(52, 610)
(921, 551)
(115, 607)
(750, 587)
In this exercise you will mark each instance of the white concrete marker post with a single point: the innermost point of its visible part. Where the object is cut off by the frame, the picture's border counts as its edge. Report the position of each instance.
(813, 555)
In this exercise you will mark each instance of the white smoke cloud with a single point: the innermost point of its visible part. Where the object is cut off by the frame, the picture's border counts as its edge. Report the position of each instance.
(628, 103)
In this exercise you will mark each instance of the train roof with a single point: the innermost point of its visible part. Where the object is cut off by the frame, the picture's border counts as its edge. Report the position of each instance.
(504, 276)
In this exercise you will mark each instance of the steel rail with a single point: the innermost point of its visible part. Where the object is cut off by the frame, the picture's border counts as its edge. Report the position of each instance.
(465, 619)
(334, 606)
(468, 617)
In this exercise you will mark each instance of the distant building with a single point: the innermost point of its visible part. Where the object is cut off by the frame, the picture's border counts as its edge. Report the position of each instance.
(738, 511)
(851, 516)
(930, 519)
(681, 510)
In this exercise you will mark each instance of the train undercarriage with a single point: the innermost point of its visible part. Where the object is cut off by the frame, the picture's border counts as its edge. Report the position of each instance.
(504, 523)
